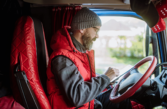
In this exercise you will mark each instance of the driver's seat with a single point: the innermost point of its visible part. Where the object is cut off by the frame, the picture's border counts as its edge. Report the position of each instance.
(29, 58)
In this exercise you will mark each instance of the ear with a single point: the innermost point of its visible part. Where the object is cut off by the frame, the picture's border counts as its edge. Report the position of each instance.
(82, 31)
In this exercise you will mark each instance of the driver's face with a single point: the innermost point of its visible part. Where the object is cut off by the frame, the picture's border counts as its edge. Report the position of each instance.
(93, 31)
(90, 35)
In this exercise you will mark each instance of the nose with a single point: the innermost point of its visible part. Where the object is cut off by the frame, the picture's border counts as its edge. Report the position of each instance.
(97, 36)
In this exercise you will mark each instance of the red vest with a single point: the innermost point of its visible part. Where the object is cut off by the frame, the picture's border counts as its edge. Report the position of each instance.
(62, 44)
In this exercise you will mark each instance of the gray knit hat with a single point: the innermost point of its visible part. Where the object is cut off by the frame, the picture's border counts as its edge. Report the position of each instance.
(85, 18)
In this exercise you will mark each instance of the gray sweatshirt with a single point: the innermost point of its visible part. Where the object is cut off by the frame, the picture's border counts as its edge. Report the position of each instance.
(75, 89)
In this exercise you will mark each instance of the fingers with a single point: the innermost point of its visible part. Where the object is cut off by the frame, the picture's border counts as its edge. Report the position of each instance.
(116, 71)
(112, 73)
(113, 70)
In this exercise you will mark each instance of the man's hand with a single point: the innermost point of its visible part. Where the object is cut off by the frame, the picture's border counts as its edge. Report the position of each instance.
(111, 73)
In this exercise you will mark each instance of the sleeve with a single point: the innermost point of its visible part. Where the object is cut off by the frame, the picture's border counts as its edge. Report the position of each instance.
(76, 90)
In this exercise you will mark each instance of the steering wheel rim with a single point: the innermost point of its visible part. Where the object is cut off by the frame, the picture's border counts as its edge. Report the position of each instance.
(128, 93)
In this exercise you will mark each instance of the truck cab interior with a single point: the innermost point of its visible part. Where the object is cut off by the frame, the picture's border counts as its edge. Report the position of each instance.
(27, 27)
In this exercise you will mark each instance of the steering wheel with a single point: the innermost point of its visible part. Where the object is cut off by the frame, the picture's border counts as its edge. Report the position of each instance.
(128, 93)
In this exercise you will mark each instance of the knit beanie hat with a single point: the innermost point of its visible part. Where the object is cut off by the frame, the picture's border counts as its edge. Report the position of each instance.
(85, 18)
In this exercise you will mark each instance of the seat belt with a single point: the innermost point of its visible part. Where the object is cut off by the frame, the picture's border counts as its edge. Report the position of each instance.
(28, 97)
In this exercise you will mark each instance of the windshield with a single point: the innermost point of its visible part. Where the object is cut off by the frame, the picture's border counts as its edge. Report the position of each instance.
(121, 44)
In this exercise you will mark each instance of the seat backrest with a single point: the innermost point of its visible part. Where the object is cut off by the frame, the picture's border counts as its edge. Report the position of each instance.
(30, 51)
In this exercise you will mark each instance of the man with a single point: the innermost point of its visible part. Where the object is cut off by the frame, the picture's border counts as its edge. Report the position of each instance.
(71, 78)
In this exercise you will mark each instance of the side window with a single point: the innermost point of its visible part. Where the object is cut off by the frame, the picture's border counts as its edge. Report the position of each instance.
(121, 44)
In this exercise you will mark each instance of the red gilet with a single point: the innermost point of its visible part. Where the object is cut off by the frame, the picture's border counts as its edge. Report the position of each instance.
(62, 44)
